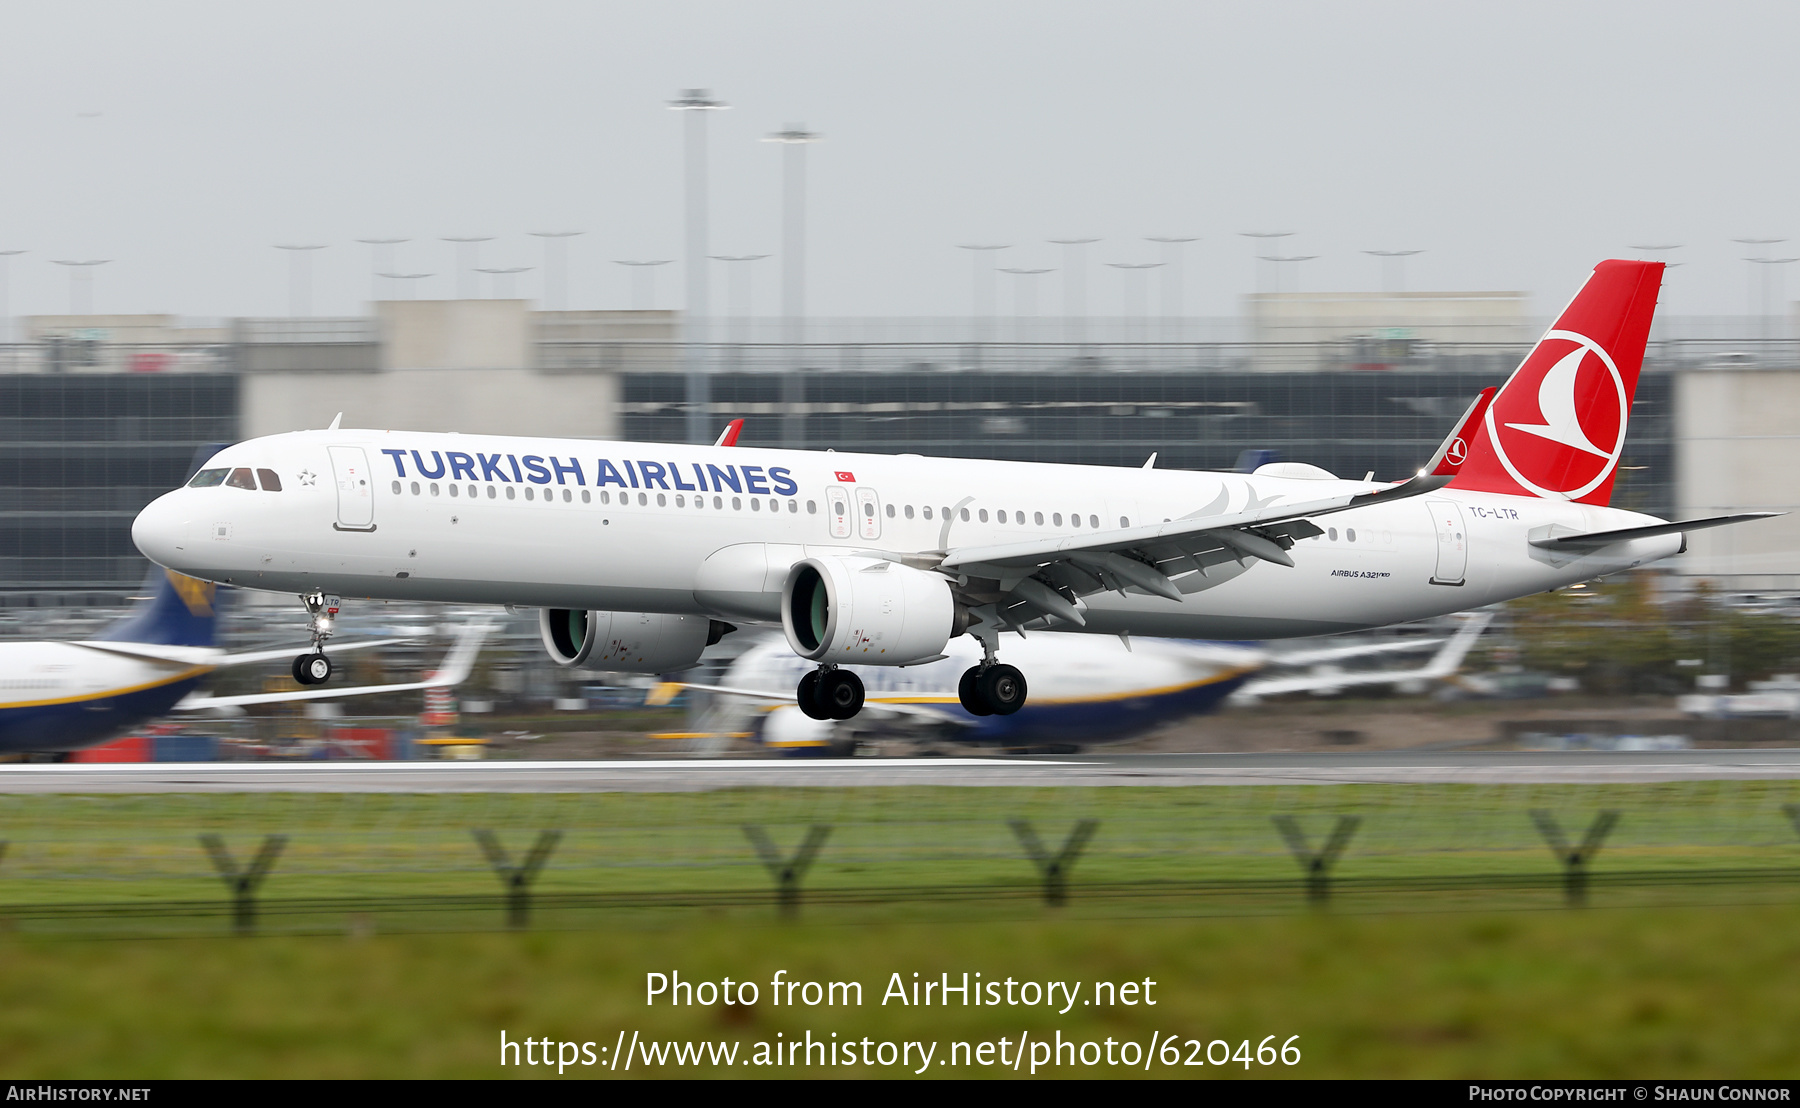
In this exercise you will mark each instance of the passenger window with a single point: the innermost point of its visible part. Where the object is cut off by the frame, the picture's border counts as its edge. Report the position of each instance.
(1037, 518)
(737, 504)
(587, 497)
(909, 513)
(643, 498)
(774, 505)
(890, 511)
(680, 501)
(662, 501)
(530, 493)
(396, 488)
(793, 507)
(1123, 522)
(455, 491)
(1332, 533)
(983, 515)
(1000, 515)
(415, 488)
(1075, 520)
(965, 515)
(605, 497)
(241, 479)
(1094, 522)
(869, 508)
(434, 488)
(755, 504)
(812, 508)
(270, 482)
(837, 508)
(493, 491)
(510, 491)
(927, 510)
(1350, 533)
(718, 503)
(207, 478)
(1056, 519)
(569, 496)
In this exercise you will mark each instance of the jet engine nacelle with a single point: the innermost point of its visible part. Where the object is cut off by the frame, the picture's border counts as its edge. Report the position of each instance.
(867, 611)
(627, 642)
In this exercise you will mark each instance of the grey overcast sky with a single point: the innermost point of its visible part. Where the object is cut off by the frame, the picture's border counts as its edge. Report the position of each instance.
(1516, 143)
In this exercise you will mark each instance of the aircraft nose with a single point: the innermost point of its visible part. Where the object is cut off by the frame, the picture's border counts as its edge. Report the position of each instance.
(158, 530)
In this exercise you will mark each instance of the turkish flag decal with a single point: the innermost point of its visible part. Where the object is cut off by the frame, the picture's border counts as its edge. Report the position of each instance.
(844, 476)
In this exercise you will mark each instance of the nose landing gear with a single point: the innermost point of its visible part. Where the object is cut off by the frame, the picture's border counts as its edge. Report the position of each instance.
(315, 668)
(830, 693)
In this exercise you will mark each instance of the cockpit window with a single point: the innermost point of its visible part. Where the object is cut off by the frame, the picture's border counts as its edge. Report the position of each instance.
(270, 482)
(241, 479)
(207, 478)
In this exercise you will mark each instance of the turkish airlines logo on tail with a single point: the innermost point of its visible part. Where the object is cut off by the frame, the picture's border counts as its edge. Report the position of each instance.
(1559, 425)
(1458, 452)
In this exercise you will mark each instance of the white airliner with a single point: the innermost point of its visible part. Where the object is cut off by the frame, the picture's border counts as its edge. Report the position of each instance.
(639, 553)
(1091, 689)
(57, 696)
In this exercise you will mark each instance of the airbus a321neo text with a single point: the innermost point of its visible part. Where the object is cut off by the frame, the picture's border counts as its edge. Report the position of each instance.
(639, 555)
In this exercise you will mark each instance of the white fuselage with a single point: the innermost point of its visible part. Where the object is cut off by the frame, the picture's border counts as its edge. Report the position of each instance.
(651, 527)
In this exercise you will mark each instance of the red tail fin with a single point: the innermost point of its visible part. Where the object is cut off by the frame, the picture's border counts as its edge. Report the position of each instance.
(1557, 428)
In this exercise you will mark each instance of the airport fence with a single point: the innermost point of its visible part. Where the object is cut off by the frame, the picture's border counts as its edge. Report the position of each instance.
(156, 864)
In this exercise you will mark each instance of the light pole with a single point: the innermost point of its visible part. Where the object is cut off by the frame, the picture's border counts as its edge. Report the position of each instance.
(81, 283)
(1393, 268)
(299, 276)
(468, 260)
(794, 139)
(1768, 305)
(381, 260)
(1172, 296)
(6, 257)
(1283, 259)
(1074, 288)
(695, 103)
(1265, 241)
(409, 278)
(737, 292)
(556, 266)
(1136, 300)
(1024, 299)
(643, 282)
(500, 281)
(981, 293)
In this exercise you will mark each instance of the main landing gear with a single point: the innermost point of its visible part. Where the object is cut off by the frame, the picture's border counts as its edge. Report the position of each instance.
(315, 668)
(830, 693)
(991, 689)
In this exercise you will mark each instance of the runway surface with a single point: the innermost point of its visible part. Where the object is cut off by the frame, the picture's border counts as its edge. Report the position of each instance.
(679, 775)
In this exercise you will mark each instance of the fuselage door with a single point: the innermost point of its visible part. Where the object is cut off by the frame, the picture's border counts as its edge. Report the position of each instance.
(837, 508)
(1452, 541)
(355, 491)
(868, 512)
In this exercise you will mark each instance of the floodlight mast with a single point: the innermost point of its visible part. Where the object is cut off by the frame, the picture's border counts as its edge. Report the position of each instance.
(6, 257)
(468, 261)
(981, 307)
(794, 139)
(381, 258)
(737, 293)
(643, 282)
(1024, 300)
(556, 266)
(500, 280)
(1074, 288)
(1173, 296)
(1265, 241)
(409, 285)
(1136, 276)
(695, 103)
(81, 283)
(1393, 268)
(1766, 265)
(299, 276)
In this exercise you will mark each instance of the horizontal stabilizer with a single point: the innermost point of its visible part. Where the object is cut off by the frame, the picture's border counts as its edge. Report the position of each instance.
(1626, 534)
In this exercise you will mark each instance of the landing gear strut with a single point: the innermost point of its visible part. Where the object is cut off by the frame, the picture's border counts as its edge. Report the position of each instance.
(991, 688)
(830, 693)
(315, 668)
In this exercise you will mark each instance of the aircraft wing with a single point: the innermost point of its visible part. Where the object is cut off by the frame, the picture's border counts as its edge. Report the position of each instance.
(1444, 663)
(880, 707)
(1344, 653)
(453, 671)
(1166, 559)
(211, 656)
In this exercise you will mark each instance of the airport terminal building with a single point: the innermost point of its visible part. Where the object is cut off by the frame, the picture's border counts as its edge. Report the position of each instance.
(105, 413)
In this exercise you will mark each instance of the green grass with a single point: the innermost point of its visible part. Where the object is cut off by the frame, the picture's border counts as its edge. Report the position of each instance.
(132, 847)
(1641, 993)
